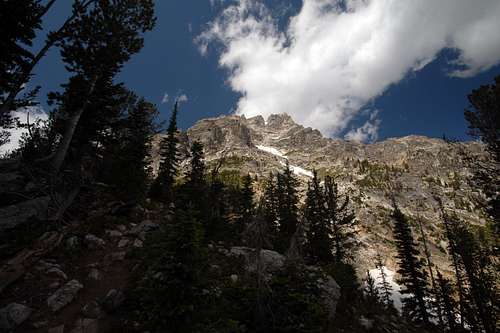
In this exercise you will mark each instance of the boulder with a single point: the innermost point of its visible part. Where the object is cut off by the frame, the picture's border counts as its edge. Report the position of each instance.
(14, 215)
(272, 261)
(113, 300)
(13, 315)
(144, 226)
(72, 243)
(64, 295)
(86, 325)
(94, 242)
(92, 310)
(57, 329)
(95, 274)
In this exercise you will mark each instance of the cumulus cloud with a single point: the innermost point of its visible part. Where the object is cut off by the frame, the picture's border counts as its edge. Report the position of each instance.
(22, 115)
(182, 98)
(366, 133)
(333, 57)
(165, 98)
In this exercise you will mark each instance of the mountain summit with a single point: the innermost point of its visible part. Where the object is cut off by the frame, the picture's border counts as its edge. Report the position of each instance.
(415, 170)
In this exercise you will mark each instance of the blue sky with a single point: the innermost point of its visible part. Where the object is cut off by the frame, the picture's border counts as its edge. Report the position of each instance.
(426, 101)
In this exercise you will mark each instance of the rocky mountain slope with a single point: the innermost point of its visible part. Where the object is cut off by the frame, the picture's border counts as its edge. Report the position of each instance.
(413, 169)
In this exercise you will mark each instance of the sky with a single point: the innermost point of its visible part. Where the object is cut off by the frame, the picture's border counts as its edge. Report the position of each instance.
(355, 69)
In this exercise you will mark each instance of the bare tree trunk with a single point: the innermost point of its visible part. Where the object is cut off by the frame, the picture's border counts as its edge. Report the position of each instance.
(25, 73)
(71, 124)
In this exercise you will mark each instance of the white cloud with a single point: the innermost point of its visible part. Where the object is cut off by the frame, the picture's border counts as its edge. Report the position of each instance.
(366, 133)
(332, 60)
(182, 98)
(34, 113)
(165, 98)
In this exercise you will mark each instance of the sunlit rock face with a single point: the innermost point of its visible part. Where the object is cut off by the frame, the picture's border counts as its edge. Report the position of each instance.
(414, 169)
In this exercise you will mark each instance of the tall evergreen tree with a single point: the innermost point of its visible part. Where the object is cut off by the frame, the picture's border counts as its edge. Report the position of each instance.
(384, 285)
(477, 269)
(483, 116)
(96, 45)
(125, 162)
(247, 206)
(413, 277)
(319, 233)
(342, 221)
(19, 21)
(287, 206)
(445, 297)
(371, 290)
(162, 187)
(269, 204)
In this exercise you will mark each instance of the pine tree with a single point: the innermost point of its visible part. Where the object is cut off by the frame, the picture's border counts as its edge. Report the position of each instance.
(286, 192)
(384, 285)
(269, 204)
(479, 274)
(483, 116)
(247, 203)
(19, 21)
(162, 187)
(126, 164)
(171, 302)
(371, 289)
(319, 233)
(342, 221)
(413, 277)
(445, 297)
(96, 45)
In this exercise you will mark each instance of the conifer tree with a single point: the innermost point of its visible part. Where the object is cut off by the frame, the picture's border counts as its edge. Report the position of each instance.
(172, 302)
(371, 289)
(445, 297)
(384, 285)
(342, 221)
(479, 274)
(286, 192)
(96, 45)
(19, 21)
(319, 233)
(126, 164)
(247, 203)
(413, 276)
(270, 206)
(162, 187)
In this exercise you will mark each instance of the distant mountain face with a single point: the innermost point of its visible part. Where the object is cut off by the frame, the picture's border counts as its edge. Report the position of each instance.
(413, 169)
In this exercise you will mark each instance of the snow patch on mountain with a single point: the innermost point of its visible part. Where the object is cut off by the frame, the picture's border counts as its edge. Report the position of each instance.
(299, 171)
(271, 150)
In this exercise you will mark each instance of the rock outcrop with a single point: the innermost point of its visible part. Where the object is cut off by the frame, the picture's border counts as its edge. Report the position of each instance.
(413, 169)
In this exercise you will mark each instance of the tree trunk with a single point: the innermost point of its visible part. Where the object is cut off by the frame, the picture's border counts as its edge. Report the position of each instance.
(71, 124)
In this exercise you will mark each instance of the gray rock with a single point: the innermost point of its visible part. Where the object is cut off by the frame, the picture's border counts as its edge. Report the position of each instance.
(13, 315)
(271, 260)
(123, 242)
(56, 272)
(95, 274)
(57, 329)
(138, 243)
(64, 295)
(113, 300)
(86, 325)
(94, 242)
(92, 310)
(114, 233)
(145, 226)
(116, 256)
(72, 243)
(234, 278)
(14, 215)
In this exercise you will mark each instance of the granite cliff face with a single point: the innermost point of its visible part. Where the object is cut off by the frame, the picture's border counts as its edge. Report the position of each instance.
(415, 169)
